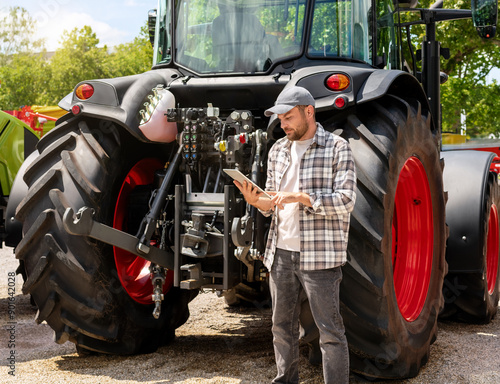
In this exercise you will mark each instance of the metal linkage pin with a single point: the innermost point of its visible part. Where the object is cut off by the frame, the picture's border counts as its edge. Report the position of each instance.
(157, 279)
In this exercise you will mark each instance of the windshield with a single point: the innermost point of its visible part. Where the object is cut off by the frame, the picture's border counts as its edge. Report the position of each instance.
(236, 36)
(249, 36)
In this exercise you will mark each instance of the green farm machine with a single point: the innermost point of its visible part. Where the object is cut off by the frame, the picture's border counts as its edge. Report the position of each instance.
(122, 213)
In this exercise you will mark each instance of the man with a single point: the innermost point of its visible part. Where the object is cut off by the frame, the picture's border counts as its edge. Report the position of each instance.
(312, 180)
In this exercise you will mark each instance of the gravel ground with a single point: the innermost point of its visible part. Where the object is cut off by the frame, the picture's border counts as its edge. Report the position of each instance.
(217, 345)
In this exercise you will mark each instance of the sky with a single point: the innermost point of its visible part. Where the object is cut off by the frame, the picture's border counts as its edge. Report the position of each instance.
(113, 21)
(494, 75)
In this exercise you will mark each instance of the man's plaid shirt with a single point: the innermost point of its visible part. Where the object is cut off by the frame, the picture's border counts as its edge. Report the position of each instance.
(328, 175)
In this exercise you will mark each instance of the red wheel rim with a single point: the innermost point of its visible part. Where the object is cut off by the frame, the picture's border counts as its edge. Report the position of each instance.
(492, 250)
(412, 239)
(133, 271)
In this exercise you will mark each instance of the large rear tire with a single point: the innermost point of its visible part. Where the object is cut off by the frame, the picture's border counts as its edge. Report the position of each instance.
(391, 292)
(81, 291)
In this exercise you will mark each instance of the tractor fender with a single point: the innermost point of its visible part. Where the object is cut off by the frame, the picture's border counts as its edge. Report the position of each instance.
(13, 227)
(369, 84)
(465, 179)
(382, 82)
(121, 99)
(314, 79)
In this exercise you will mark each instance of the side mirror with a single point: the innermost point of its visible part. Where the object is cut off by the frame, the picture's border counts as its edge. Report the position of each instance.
(484, 16)
(152, 25)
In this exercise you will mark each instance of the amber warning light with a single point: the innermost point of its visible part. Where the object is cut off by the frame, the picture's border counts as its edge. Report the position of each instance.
(337, 82)
(84, 91)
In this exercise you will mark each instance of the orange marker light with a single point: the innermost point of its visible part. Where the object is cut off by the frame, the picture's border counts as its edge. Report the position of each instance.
(84, 91)
(337, 82)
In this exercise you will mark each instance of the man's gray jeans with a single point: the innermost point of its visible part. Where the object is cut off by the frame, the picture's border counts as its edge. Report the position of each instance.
(322, 289)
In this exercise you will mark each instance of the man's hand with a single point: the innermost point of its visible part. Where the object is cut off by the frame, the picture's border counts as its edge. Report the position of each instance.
(282, 198)
(254, 197)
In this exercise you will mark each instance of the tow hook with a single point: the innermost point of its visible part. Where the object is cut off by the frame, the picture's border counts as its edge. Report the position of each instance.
(157, 279)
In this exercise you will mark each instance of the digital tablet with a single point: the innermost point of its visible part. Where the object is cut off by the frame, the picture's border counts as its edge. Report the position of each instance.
(240, 177)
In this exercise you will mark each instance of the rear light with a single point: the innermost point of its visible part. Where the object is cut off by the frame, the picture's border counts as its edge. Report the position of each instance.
(76, 109)
(84, 91)
(337, 82)
(340, 102)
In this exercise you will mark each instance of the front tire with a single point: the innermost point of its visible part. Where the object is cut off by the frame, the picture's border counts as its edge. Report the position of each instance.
(74, 280)
(391, 292)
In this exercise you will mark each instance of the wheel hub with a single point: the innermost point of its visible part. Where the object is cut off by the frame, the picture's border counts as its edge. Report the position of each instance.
(412, 239)
(492, 250)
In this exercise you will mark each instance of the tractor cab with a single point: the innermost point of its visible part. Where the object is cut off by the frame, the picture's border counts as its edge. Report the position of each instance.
(212, 37)
(226, 37)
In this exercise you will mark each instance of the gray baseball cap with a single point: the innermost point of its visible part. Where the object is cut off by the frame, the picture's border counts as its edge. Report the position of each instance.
(289, 98)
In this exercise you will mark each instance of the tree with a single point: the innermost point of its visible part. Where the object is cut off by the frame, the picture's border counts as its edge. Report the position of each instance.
(79, 59)
(132, 58)
(484, 111)
(27, 78)
(17, 34)
(24, 81)
(23, 69)
(471, 60)
(477, 103)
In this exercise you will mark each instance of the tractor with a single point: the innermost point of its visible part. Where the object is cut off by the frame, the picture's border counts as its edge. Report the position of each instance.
(123, 212)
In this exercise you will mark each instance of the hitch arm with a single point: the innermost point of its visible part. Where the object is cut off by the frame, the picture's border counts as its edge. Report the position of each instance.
(83, 224)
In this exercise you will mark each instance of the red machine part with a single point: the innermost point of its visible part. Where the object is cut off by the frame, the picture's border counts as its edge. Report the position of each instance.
(412, 234)
(133, 271)
(34, 119)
